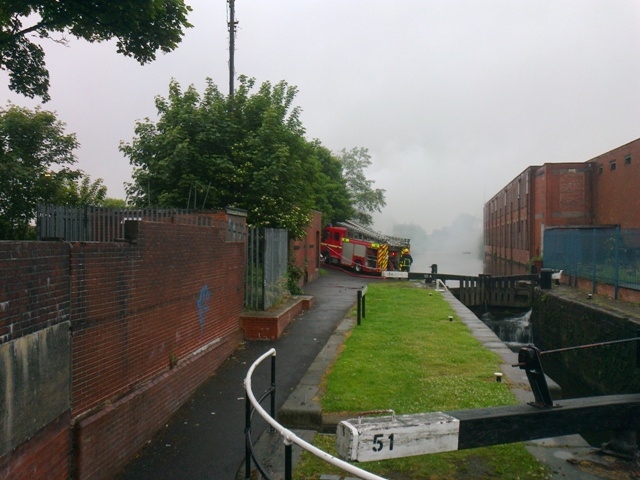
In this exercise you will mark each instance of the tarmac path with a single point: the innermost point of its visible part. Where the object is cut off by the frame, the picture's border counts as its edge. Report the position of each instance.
(205, 438)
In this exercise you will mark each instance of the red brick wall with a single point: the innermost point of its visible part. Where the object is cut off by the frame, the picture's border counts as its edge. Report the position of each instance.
(45, 456)
(135, 307)
(34, 287)
(616, 198)
(107, 439)
(150, 321)
(137, 311)
(34, 294)
(306, 251)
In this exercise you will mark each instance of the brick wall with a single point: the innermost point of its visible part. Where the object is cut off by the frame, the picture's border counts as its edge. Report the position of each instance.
(615, 182)
(34, 287)
(34, 298)
(151, 319)
(46, 455)
(137, 311)
(306, 251)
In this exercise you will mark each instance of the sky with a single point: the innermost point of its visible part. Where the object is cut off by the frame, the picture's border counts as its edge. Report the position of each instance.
(452, 98)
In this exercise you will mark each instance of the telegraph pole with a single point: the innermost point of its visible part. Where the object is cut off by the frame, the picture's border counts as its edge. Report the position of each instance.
(232, 44)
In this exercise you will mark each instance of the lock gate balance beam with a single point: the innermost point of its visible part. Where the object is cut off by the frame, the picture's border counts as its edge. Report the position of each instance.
(382, 438)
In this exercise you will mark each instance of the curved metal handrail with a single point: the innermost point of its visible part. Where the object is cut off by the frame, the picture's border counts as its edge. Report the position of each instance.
(290, 437)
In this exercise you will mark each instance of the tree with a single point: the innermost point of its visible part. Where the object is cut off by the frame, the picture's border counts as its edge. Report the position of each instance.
(141, 27)
(206, 152)
(82, 192)
(332, 197)
(365, 199)
(35, 160)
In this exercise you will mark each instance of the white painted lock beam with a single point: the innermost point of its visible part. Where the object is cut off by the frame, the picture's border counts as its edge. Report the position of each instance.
(367, 439)
(380, 438)
(395, 274)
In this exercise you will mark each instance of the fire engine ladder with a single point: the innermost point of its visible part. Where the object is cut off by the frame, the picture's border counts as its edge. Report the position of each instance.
(370, 234)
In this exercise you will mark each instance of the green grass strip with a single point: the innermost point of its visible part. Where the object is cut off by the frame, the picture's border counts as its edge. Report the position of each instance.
(408, 356)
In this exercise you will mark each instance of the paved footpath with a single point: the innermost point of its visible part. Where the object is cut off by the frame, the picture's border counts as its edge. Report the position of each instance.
(205, 438)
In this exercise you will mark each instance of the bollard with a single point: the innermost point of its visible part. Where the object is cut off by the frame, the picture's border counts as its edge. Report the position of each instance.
(361, 303)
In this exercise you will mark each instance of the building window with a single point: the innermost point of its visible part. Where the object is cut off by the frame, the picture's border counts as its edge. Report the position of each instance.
(627, 160)
(600, 169)
(612, 165)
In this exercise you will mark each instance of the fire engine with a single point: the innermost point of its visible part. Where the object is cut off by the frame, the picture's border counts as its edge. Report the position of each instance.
(352, 245)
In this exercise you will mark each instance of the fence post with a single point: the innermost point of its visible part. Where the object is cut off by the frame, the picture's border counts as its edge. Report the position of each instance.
(288, 460)
(616, 281)
(247, 439)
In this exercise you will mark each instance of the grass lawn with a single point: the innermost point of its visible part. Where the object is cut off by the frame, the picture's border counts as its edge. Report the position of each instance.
(407, 356)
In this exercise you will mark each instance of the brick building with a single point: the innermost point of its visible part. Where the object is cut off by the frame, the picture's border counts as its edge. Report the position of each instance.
(599, 191)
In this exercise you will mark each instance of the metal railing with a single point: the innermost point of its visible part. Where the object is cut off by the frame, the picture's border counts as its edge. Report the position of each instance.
(99, 224)
(289, 438)
(603, 255)
(267, 261)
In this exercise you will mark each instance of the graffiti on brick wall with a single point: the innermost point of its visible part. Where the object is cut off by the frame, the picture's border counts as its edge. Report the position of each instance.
(203, 304)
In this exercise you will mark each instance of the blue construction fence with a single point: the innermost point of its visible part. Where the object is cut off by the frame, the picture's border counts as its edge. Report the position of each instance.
(607, 255)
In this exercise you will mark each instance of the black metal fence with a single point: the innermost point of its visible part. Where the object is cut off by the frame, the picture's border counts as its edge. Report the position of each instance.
(97, 224)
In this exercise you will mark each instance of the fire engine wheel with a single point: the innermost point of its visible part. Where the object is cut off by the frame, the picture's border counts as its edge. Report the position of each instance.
(358, 266)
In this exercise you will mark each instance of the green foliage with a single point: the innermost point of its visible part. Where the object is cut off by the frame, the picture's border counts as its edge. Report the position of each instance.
(294, 274)
(141, 27)
(407, 356)
(35, 159)
(365, 198)
(82, 192)
(109, 202)
(208, 151)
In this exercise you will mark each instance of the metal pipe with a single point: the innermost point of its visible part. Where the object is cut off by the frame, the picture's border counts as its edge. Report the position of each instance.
(580, 347)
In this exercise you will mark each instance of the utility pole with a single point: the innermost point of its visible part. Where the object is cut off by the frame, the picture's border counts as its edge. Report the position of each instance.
(232, 44)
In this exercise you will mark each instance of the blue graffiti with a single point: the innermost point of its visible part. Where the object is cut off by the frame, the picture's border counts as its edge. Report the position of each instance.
(203, 304)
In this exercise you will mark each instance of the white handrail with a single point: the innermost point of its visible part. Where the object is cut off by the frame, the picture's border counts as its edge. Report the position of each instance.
(290, 437)
(444, 285)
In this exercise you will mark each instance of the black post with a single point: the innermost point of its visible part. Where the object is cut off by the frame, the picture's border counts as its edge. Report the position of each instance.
(247, 438)
(359, 307)
(638, 350)
(364, 304)
(288, 470)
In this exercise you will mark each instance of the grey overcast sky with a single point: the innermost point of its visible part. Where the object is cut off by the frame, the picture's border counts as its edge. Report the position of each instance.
(453, 98)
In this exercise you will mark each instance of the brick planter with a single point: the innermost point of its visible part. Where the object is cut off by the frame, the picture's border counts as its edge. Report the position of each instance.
(269, 325)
